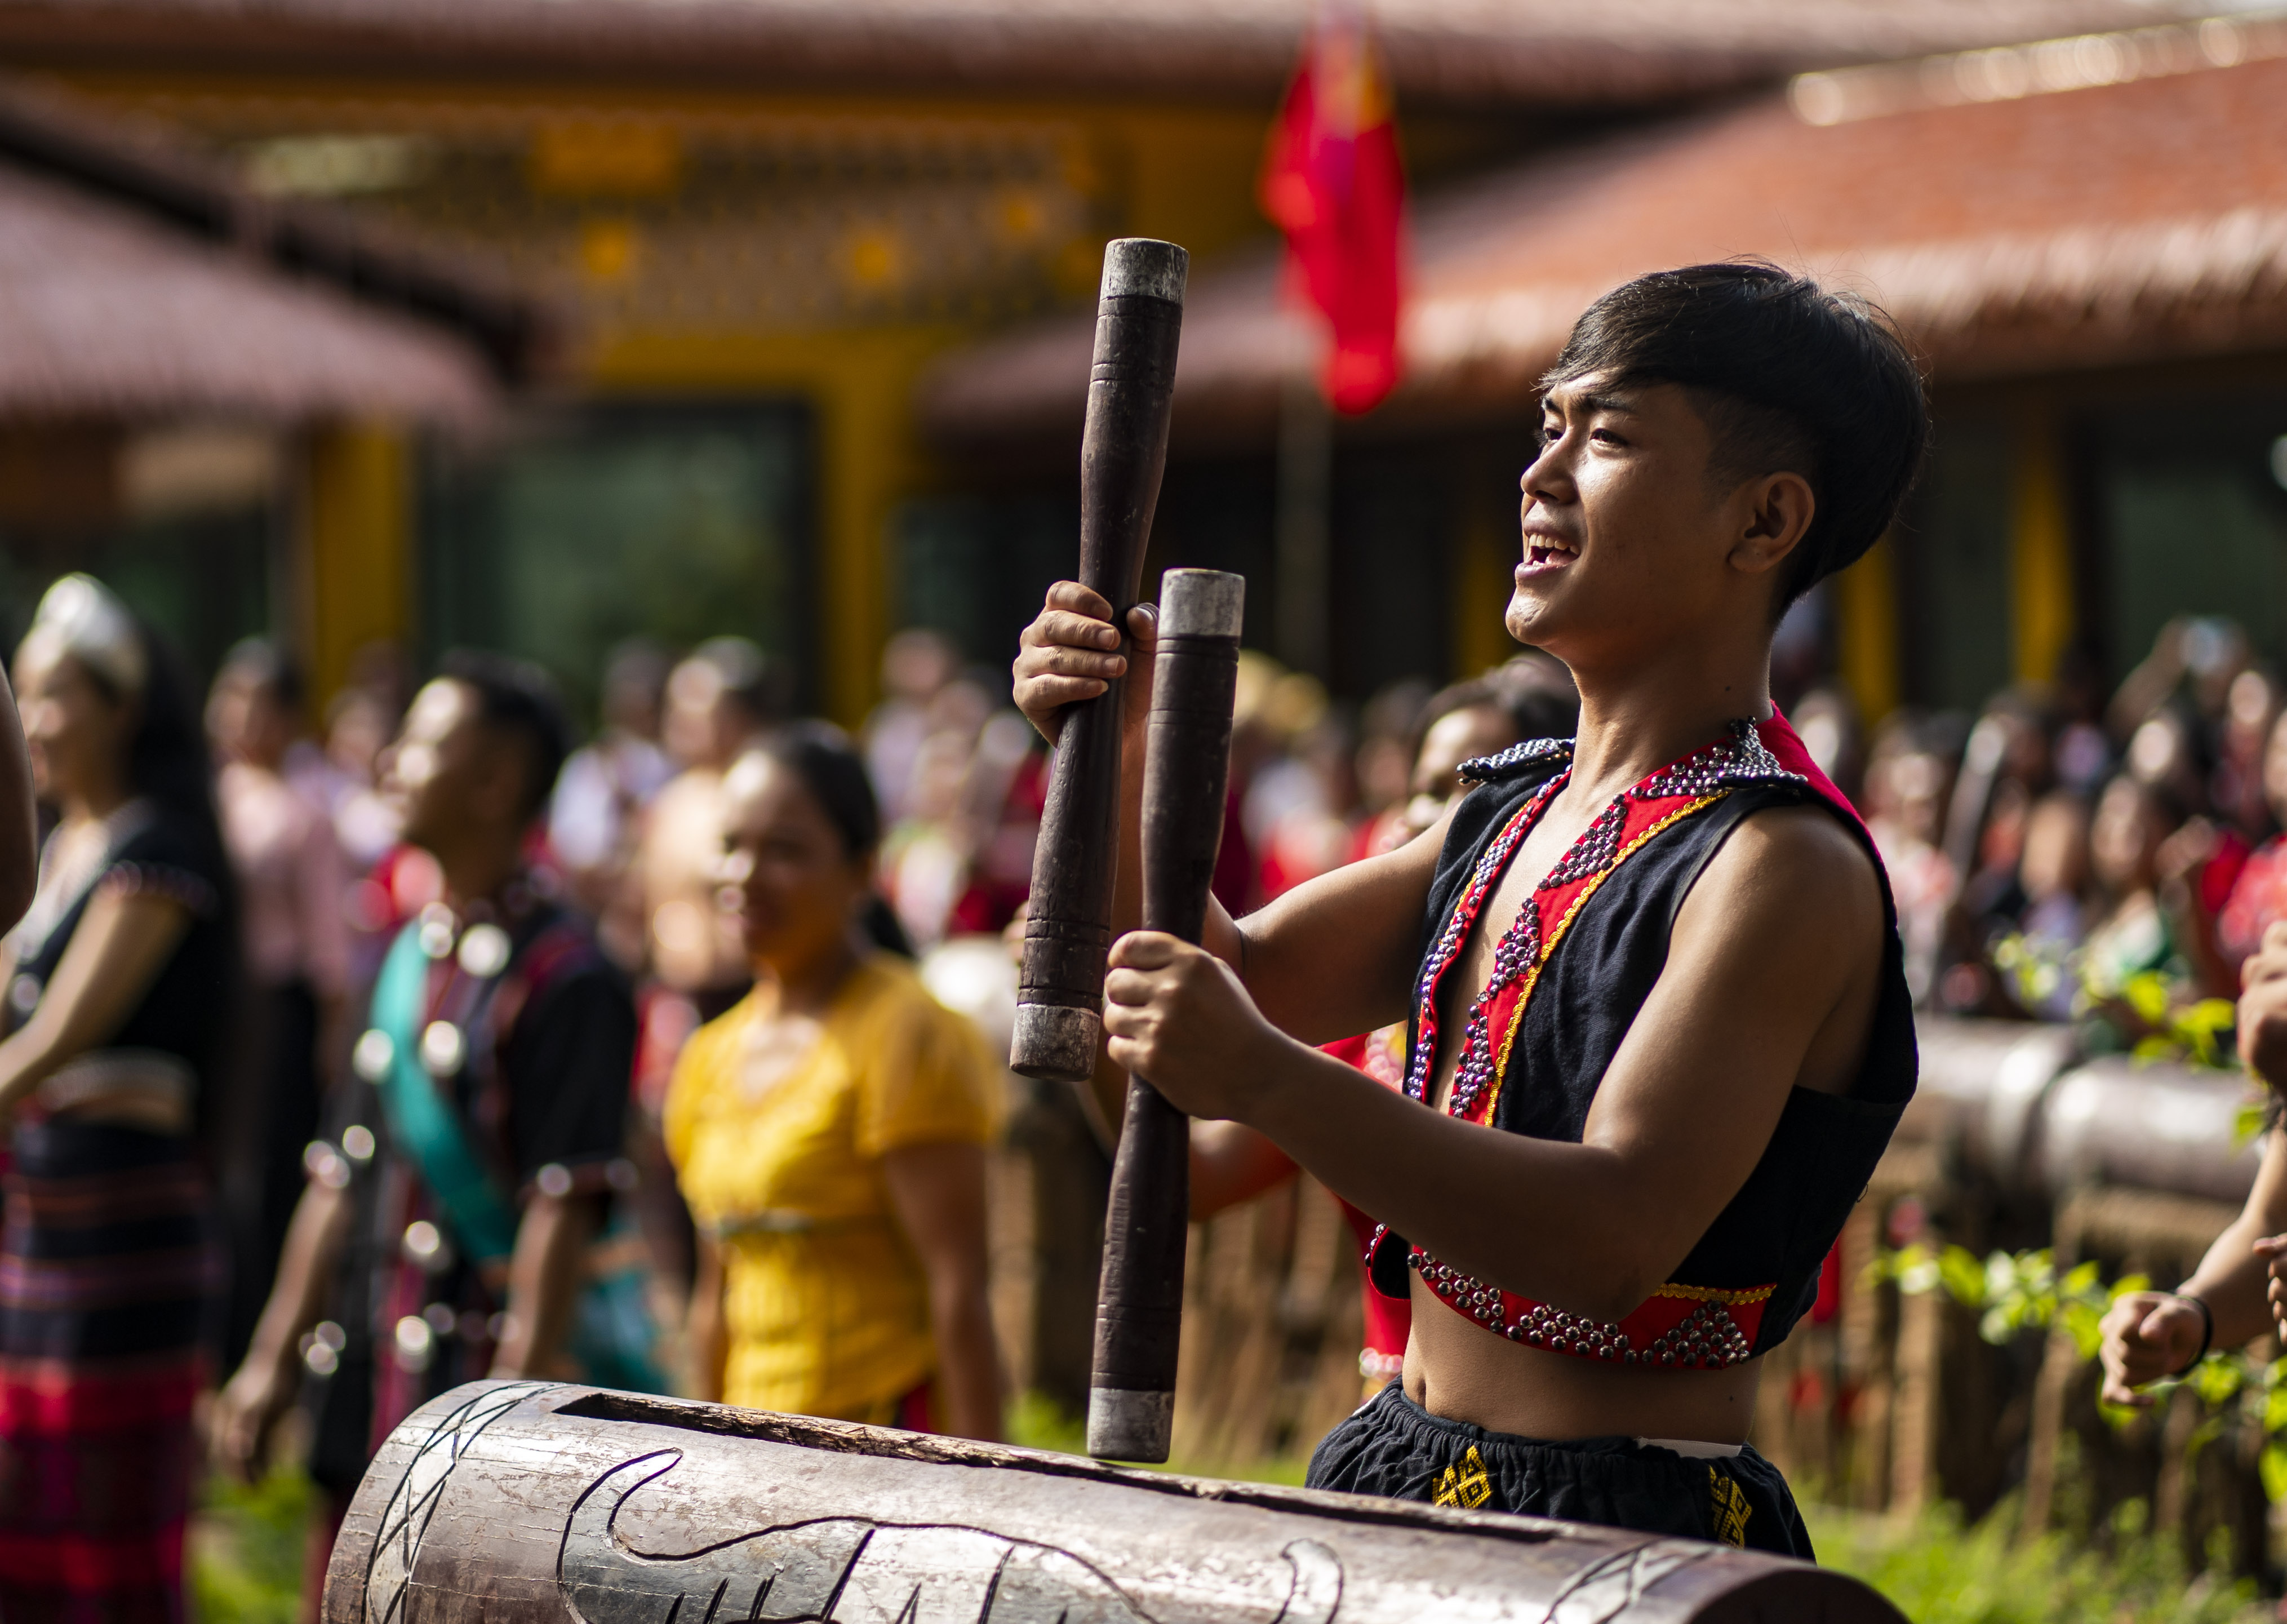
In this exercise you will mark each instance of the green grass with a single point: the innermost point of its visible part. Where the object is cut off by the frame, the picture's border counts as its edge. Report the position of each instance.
(246, 1548)
(1938, 1571)
(1039, 1422)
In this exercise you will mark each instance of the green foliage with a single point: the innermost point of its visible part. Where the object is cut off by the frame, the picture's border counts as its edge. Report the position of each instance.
(1938, 1571)
(246, 1549)
(2010, 1292)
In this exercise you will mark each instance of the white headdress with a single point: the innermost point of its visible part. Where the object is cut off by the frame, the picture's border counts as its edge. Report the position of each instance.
(79, 616)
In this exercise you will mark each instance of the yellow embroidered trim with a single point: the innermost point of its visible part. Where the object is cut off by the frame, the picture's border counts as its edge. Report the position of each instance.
(1465, 1484)
(1709, 1293)
(1548, 947)
(1731, 1509)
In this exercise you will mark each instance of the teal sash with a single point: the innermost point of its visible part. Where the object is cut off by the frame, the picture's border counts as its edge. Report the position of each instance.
(422, 1121)
(611, 1335)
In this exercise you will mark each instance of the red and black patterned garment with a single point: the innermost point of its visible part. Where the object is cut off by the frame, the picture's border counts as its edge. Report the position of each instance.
(1567, 980)
(107, 1271)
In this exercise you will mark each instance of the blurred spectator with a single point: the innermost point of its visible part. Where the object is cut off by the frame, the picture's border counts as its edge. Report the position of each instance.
(120, 987)
(960, 861)
(2239, 794)
(719, 700)
(342, 776)
(830, 1132)
(2259, 892)
(2042, 960)
(606, 785)
(517, 1036)
(2194, 658)
(292, 886)
(2133, 948)
(915, 667)
(1388, 729)
(1826, 721)
(1909, 779)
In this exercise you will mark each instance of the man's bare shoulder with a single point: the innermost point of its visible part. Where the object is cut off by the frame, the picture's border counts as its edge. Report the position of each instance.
(1794, 870)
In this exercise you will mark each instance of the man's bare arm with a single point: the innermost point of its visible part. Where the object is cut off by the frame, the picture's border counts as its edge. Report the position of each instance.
(1333, 957)
(543, 1279)
(263, 1384)
(1773, 969)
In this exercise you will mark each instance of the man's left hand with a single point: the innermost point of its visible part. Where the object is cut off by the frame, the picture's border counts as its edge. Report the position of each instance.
(1178, 1015)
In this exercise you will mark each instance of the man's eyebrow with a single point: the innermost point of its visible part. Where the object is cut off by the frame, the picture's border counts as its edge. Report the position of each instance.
(1618, 404)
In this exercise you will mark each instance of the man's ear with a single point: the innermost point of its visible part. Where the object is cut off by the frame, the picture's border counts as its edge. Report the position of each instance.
(1778, 510)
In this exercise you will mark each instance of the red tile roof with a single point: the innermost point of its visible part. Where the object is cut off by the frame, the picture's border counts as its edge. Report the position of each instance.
(1624, 51)
(107, 312)
(2124, 221)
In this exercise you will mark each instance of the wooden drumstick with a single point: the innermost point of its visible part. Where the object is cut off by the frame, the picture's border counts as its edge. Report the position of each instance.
(1139, 1312)
(1139, 318)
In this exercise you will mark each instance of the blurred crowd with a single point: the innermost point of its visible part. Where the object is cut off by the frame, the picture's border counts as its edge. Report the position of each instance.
(2066, 855)
(448, 1048)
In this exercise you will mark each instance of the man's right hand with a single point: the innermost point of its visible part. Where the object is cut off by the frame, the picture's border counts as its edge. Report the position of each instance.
(2148, 1335)
(1071, 653)
(245, 1411)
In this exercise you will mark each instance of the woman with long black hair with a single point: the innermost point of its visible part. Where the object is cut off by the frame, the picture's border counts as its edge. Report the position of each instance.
(122, 976)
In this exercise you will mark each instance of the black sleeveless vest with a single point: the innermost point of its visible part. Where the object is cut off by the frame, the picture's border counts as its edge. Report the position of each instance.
(1755, 1271)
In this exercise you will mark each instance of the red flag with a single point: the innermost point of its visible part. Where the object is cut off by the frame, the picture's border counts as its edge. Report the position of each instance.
(1332, 181)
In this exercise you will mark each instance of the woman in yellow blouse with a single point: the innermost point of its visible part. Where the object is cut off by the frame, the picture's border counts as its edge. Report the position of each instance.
(828, 1133)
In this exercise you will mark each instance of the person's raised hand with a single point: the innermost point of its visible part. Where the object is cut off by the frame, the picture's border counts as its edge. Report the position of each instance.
(2148, 1335)
(1071, 653)
(2263, 1007)
(2272, 1250)
(1177, 1015)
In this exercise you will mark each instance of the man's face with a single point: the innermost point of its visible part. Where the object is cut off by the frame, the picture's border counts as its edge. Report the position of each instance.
(1625, 540)
(438, 767)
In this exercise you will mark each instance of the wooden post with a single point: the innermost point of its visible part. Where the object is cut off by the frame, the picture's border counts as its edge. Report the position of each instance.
(527, 1503)
(1139, 319)
(1139, 1316)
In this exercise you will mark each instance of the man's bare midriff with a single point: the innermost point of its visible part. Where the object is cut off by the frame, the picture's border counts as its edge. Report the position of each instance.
(1457, 1369)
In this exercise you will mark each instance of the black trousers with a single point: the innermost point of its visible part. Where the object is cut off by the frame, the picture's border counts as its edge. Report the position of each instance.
(1393, 1447)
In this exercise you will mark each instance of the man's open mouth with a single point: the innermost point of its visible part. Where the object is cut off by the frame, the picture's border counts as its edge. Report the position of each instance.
(1541, 549)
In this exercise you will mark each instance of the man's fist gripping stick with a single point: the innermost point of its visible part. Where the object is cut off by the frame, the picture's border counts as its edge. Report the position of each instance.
(1131, 1401)
(1139, 318)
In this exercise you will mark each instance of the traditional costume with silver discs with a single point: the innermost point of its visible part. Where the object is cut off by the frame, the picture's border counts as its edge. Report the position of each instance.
(494, 1066)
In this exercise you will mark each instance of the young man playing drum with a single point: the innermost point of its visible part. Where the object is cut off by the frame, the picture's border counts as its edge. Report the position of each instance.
(1661, 1030)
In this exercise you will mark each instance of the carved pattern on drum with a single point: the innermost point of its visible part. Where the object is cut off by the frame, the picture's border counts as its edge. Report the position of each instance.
(1616, 1583)
(405, 1519)
(855, 1570)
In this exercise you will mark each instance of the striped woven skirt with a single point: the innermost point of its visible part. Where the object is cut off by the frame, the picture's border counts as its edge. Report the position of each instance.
(107, 1273)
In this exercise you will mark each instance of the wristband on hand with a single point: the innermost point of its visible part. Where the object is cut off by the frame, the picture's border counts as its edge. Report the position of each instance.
(2207, 1329)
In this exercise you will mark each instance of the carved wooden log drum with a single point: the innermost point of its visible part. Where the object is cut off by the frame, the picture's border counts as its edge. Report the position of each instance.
(1139, 1314)
(525, 1502)
(1131, 391)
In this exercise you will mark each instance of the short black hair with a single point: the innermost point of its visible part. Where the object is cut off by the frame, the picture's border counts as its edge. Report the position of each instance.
(268, 667)
(751, 679)
(829, 766)
(517, 697)
(1790, 376)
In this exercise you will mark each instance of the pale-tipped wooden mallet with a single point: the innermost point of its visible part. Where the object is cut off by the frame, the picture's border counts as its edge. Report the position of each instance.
(1139, 317)
(1139, 1312)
